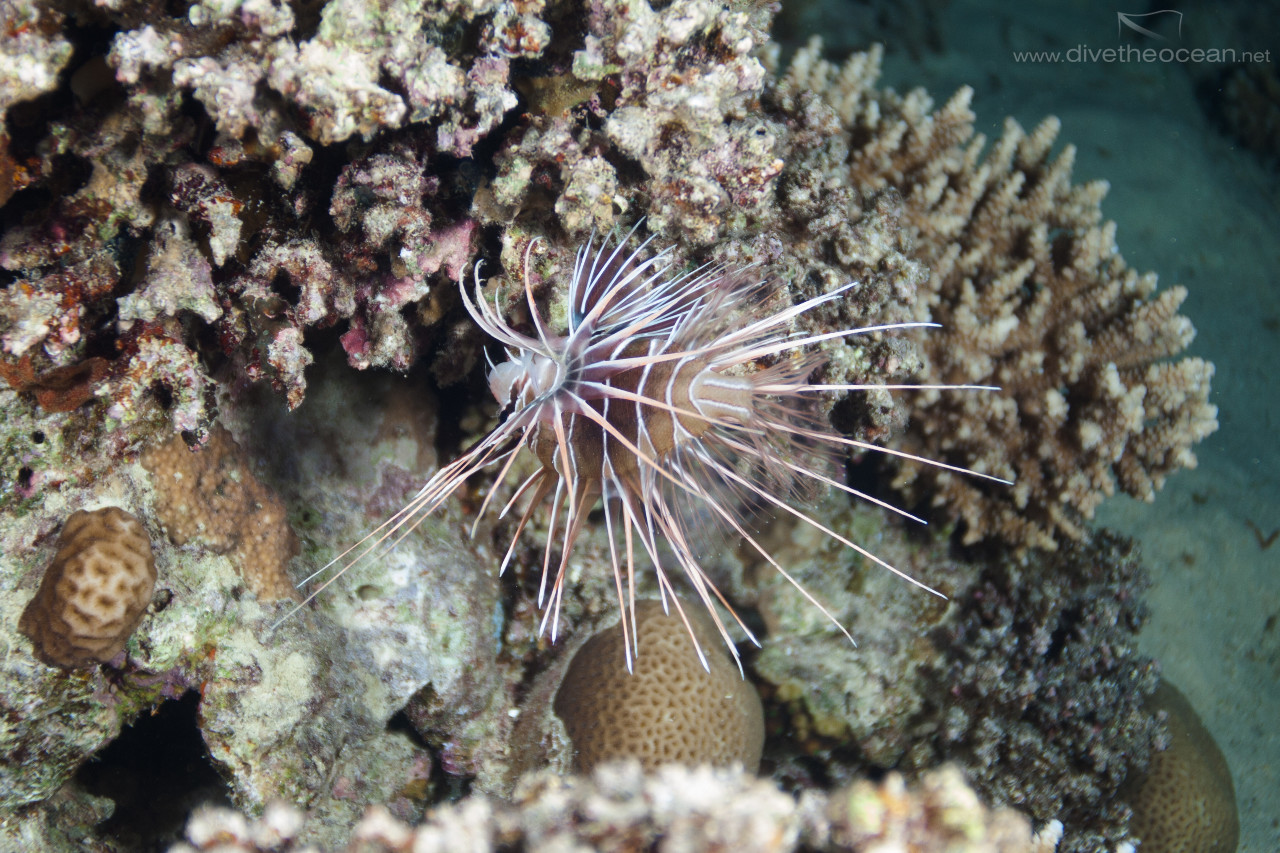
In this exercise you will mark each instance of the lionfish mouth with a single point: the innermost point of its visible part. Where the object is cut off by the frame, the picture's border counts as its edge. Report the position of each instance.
(656, 398)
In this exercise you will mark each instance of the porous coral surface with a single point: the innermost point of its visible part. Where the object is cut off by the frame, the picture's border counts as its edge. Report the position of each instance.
(1033, 297)
(210, 497)
(619, 808)
(665, 708)
(94, 591)
(1185, 801)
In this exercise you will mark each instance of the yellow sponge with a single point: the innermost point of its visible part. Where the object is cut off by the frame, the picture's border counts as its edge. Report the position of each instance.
(94, 592)
(669, 710)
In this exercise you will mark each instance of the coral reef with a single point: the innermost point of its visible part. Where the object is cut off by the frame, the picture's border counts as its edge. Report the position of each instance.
(1185, 802)
(211, 498)
(95, 590)
(665, 113)
(668, 709)
(1033, 297)
(149, 199)
(223, 195)
(621, 808)
(1039, 678)
(300, 710)
(1029, 679)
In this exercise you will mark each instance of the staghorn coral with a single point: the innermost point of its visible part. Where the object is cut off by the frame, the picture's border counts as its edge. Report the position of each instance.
(94, 592)
(1032, 296)
(621, 808)
(666, 710)
(210, 497)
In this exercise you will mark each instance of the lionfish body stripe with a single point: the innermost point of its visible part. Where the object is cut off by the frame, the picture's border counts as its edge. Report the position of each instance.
(655, 401)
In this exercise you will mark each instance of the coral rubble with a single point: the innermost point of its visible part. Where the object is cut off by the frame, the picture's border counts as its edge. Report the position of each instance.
(620, 808)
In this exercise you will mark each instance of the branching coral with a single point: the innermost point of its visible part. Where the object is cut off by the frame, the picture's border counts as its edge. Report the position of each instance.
(1029, 678)
(1038, 692)
(1034, 297)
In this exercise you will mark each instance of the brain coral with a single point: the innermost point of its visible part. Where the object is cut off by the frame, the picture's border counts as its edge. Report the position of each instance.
(1185, 802)
(669, 710)
(94, 592)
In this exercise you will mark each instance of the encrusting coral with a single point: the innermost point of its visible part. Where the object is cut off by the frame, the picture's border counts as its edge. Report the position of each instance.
(1032, 296)
(210, 497)
(668, 710)
(95, 590)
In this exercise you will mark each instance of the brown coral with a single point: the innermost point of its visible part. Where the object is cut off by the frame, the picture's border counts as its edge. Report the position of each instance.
(1032, 296)
(94, 592)
(669, 710)
(211, 497)
(1185, 802)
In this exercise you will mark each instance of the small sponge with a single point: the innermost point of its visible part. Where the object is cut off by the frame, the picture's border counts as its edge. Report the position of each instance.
(669, 710)
(1186, 803)
(94, 592)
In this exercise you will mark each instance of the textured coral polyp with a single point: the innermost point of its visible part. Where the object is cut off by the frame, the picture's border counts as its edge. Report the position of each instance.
(94, 592)
(668, 709)
(1185, 802)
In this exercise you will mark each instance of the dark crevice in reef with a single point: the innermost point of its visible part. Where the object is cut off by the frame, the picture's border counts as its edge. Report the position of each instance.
(157, 771)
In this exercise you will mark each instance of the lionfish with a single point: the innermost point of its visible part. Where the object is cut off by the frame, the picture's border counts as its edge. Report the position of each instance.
(655, 399)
